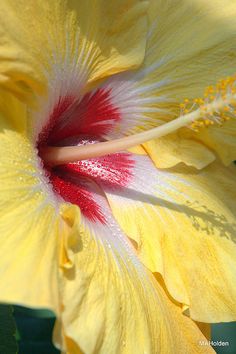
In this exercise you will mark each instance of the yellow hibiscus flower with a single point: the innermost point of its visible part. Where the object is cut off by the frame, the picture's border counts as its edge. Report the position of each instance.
(119, 243)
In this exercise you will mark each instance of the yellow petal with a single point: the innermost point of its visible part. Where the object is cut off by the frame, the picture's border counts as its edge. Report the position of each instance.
(173, 149)
(221, 139)
(190, 45)
(183, 221)
(196, 45)
(29, 231)
(92, 37)
(12, 112)
(205, 329)
(112, 304)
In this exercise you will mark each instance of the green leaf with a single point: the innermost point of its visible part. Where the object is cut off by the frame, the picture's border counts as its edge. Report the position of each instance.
(8, 343)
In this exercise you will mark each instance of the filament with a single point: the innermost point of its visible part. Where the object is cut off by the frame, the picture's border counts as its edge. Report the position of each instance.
(217, 106)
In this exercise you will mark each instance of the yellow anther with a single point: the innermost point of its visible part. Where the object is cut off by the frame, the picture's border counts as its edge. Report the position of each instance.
(207, 122)
(217, 101)
(210, 89)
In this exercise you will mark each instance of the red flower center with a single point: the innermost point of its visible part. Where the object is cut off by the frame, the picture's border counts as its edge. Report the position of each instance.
(74, 123)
